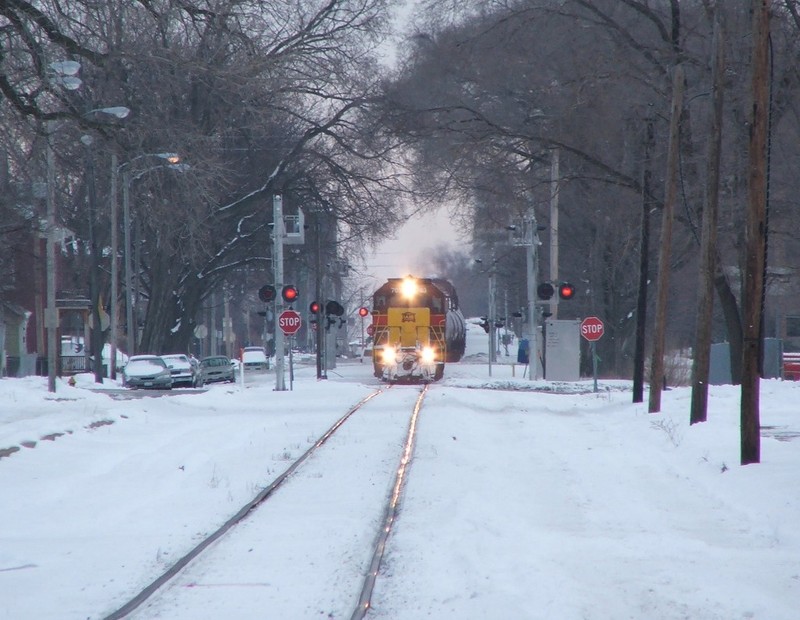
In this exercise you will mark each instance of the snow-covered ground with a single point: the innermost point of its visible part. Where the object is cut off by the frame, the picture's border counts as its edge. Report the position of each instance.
(519, 504)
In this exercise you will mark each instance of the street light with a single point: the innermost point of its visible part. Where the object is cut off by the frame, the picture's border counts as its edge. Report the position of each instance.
(172, 160)
(64, 74)
(118, 112)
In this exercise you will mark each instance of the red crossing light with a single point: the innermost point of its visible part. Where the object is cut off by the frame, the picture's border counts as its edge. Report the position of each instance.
(314, 307)
(289, 293)
(362, 311)
(566, 290)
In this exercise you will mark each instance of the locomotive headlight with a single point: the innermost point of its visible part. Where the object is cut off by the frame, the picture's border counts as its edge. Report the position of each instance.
(409, 287)
(389, 355)
(428, 355)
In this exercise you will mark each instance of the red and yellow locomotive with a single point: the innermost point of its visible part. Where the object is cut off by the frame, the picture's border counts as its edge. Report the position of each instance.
(416, 328)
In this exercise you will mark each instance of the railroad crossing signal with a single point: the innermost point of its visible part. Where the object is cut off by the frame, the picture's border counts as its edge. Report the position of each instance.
(566, 290)
(592, 328)
(289, 322)
(362, 312)
(334, 308)
(545, 290)
(266, 293)
(290, 293)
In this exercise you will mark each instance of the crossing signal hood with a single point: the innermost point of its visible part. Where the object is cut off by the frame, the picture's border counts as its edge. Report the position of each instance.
(266, 293)
(545, 290)
(334, 308)
(289, 293)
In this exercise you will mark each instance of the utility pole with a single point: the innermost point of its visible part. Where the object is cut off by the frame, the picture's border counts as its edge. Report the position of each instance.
(492, 318)
(670, 199)
(96, 340)
(644, 265)
(708, 238)
(530, 245)
(320, 350)
(112, 363)
(51, 315)
(277, 261)
(130, 317)
(755, 237)
(554, 174)
(227, 324)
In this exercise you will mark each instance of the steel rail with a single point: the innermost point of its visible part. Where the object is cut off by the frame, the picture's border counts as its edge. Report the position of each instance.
(262, 496)
(390, 514)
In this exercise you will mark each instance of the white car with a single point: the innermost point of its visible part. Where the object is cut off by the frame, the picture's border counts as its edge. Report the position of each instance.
(183, 371)
(254, 359)
(146, 371)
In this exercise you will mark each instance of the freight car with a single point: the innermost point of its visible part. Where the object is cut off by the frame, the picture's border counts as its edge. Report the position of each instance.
(416, 328)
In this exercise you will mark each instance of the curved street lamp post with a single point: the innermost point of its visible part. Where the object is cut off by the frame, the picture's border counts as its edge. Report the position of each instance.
(63, 74)
(172, 160)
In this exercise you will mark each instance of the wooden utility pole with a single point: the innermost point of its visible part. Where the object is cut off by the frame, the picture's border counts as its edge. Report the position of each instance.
(670, 198)
(708, 240)
(755, 236)
(644, 266)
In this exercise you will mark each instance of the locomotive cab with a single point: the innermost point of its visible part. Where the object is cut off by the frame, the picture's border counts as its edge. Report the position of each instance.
(409, 318)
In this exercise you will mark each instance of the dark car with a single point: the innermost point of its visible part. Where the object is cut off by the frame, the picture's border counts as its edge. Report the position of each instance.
(146, 371)
(216, 368)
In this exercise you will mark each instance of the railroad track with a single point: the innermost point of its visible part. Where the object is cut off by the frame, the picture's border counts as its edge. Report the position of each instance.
(252, 554)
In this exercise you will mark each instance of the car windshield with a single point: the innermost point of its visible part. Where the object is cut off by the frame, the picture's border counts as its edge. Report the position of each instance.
(215, 361)
(147, 365)
(175, 358)
(254, 356)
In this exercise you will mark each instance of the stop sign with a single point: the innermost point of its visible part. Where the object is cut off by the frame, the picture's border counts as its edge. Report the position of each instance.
(289, 322)
(592, 328)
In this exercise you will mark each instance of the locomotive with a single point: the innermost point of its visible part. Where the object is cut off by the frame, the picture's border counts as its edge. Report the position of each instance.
(416, 328)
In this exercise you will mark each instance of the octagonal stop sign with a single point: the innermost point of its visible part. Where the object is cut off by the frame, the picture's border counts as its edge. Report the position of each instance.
(592, 328)
(289, 322)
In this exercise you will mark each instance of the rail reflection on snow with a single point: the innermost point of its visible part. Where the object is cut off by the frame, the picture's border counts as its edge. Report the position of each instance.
(158, 583)
(390, 514)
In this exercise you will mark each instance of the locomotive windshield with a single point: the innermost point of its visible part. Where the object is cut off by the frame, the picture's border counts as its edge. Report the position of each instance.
(396, 299)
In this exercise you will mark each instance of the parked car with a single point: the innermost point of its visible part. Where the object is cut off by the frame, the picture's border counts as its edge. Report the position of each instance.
(184, 372)
(254, 359)
(216, 368)
(146, 371)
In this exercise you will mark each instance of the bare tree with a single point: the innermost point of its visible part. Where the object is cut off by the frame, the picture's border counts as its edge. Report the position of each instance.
(258, 98)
